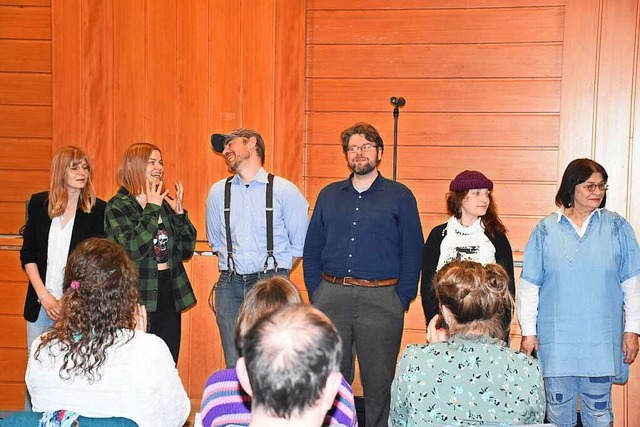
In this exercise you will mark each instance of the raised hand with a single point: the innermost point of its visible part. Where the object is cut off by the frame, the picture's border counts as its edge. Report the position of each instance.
(154, 192)
(176, 203)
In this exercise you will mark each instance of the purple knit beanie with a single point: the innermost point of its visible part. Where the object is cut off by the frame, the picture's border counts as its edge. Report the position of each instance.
(467, 180)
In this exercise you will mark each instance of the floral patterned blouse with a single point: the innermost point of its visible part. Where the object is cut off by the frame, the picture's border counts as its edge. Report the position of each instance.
(466, 380)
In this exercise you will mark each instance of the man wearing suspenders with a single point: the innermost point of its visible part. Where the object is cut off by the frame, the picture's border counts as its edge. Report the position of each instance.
(256, 224)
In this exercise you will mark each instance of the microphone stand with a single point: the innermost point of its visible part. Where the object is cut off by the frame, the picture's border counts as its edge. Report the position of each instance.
(397, 103)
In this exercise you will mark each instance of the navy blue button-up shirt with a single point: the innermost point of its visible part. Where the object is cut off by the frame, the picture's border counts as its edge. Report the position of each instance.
(372, 235)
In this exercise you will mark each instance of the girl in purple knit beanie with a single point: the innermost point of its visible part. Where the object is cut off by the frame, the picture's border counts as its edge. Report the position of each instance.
(473, 233)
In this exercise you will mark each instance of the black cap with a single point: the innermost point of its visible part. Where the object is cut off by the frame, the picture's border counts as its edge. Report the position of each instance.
(219, 140)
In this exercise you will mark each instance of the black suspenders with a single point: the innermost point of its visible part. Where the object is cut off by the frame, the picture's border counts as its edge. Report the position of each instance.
(231, 264)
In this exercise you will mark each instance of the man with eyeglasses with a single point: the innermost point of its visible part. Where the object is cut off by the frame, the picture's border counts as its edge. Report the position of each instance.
(362, 257)
(256, 224)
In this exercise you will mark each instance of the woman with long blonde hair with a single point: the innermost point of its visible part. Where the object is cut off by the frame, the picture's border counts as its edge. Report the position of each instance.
(58, 220)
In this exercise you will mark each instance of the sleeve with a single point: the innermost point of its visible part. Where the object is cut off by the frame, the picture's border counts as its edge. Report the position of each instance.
(295, 214)
(631, 292)
(343, 410)
(533, 260)
(398, 416)
(215, 227)
(173, 397)
(411, 241)
(98, 221)
(29, 251)
(504, 257)
(630, 265)
(135, 235)
(185, 235)
(313, 245)
(528, 298)
(430, 257)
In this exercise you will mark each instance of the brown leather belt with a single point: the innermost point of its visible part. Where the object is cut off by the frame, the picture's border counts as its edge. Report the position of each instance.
(359, 282)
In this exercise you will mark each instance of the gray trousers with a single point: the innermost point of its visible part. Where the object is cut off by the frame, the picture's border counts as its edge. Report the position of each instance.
(371, 321)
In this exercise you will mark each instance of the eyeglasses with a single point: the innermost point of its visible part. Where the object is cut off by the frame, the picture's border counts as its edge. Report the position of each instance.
(591, 187)
(365, 148)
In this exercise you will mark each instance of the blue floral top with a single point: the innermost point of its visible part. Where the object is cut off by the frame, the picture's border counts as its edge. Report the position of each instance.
(467, 380)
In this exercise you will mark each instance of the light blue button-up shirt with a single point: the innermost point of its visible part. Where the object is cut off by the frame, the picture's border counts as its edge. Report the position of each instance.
(580, 311)
(249, 223)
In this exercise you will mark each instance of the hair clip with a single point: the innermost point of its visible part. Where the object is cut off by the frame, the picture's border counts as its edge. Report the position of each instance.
(75, 284)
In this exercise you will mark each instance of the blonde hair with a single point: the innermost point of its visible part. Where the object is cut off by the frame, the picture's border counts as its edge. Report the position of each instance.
(131, 174)
(477, 297)
(63, 159)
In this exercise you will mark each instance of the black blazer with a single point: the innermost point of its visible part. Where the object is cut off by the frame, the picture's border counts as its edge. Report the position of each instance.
(36, 240)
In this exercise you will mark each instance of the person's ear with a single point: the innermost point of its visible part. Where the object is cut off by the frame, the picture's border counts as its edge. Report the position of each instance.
(243, 376)
(251, 142)
(330, 390)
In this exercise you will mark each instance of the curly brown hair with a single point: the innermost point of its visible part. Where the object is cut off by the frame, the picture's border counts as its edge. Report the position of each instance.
(98, 308)
(490, 220)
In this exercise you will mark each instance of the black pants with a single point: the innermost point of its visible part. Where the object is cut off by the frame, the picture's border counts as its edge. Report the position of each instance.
(165, 321)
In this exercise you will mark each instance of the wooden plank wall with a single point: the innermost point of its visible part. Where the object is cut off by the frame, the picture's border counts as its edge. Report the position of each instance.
(25, 154)
(514, 88)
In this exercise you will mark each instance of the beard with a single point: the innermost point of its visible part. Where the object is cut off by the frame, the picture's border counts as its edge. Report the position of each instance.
(360, 168)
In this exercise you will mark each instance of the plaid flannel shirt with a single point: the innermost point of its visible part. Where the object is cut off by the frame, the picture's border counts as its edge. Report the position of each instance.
(134, 228)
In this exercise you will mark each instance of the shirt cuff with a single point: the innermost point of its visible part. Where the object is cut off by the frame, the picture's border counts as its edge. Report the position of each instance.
(631, 292)
(527, 301)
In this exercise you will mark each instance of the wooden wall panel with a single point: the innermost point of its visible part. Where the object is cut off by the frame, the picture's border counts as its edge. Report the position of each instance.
(11, 267)
(23, 153)
(14, 332)
(614, 96)
(25, 121)
(25, 56)
(19, 185)
(435, 61)
(472, 25)
(432, 4)
(25, 23)
(12, 302)
(441, 129)
(9, 359)
(13, 217)
(193, 107)
(25, 89)
(462, 95)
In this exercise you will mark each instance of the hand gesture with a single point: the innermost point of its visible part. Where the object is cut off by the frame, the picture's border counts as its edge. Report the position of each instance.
(176, 203)
(435, 333)
(154, 192)
(140, 317)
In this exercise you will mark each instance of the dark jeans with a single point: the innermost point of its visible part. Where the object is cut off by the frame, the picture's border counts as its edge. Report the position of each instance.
(165, 321)
(372, 319)
(229, 294)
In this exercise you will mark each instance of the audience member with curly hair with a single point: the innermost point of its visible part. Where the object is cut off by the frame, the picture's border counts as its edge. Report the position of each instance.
(98, 360)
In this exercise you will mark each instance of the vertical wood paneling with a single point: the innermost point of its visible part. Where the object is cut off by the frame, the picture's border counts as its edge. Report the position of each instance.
(193, 106)
(614, 96)
(96, 136)
(67, 75)
(257, 62)
(581, 30)
(161, 97)
(129, 90)
(290, 28)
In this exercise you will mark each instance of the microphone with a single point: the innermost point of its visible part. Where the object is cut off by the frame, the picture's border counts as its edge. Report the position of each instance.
(397, 102)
